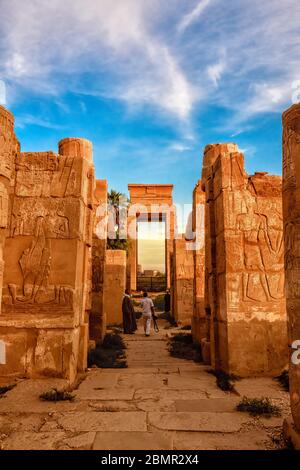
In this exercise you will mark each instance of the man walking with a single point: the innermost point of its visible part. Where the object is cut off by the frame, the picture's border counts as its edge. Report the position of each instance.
(148, 310)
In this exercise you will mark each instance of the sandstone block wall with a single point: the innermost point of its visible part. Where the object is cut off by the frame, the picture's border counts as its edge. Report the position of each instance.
(114, 285)
(245, 301)
(47, 277)
(183, 282)
(199, 325)
(291, 213)
(9, 149)
(97, 320)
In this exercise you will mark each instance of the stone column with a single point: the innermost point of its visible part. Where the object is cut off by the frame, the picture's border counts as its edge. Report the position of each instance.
(245, 300)
(97, 320)
(183, 281)
(131, 270)
(291, 214)
(199, 319)
(114, 285)
(9, 148)
(47, 280)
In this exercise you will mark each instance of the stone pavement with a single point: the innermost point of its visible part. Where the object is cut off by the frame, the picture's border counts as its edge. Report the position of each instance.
(159, 402)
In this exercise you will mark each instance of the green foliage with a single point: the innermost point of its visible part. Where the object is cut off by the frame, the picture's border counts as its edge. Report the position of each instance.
(224, 381)
(117, 200)
(258, 407)
(57, 395)
(109, 354)
(284, 380)
(5, 389)
(182, 346)
(113, 341)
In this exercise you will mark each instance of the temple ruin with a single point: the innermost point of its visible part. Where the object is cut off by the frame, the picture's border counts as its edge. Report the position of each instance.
(61, 286)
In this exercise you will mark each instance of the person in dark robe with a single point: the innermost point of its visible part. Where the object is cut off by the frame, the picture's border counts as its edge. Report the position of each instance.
(167, 302)
(129, 320)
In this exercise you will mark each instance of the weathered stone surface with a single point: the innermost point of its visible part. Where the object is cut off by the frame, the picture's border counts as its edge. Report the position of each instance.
(97, 318)
(105, 394)
(98, 421)
(83, 441)
(133, 441)
(216, 405)
(114, 285)
(9, 149)
(183, 282)
(33, 441)
(291, 214)
(199, 323)
(195, 421)
(253, 388)
(245, 301)
(47, 277)
(156, 394)
(252, 440)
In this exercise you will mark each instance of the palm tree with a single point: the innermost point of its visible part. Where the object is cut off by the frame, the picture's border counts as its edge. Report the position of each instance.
(118, 201)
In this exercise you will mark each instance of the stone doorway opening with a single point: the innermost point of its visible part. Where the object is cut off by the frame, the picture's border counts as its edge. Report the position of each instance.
(151, 253)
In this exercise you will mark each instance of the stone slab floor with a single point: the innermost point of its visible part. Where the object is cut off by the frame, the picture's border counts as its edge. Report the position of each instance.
(158, 403)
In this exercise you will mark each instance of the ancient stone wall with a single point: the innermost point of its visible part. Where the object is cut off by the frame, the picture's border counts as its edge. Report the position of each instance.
(9, 149)
(97, 320)
(47, 279)
(199, 325)
(114, 285)
(183, 281)
(245, 301)
(291, 213)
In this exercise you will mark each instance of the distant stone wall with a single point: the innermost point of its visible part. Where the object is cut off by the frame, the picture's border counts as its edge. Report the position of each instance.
(199, 324)
(47, 278)
(245, 301)
(291, 213)
(183, 282)
(114, 285)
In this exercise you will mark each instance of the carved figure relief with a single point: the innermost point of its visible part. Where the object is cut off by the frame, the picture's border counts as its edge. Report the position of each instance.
(35, 265)
(263, 252)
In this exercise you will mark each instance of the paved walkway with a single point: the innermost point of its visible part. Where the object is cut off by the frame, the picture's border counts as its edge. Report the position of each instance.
(157, 403)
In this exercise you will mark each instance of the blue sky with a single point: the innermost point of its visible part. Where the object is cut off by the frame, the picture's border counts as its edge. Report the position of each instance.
(151, 82)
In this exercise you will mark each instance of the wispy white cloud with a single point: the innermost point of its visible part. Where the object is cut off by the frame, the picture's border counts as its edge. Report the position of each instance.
(28, 119)
(243, 55)
(180, 147)
(75, 36)
(193, 15)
